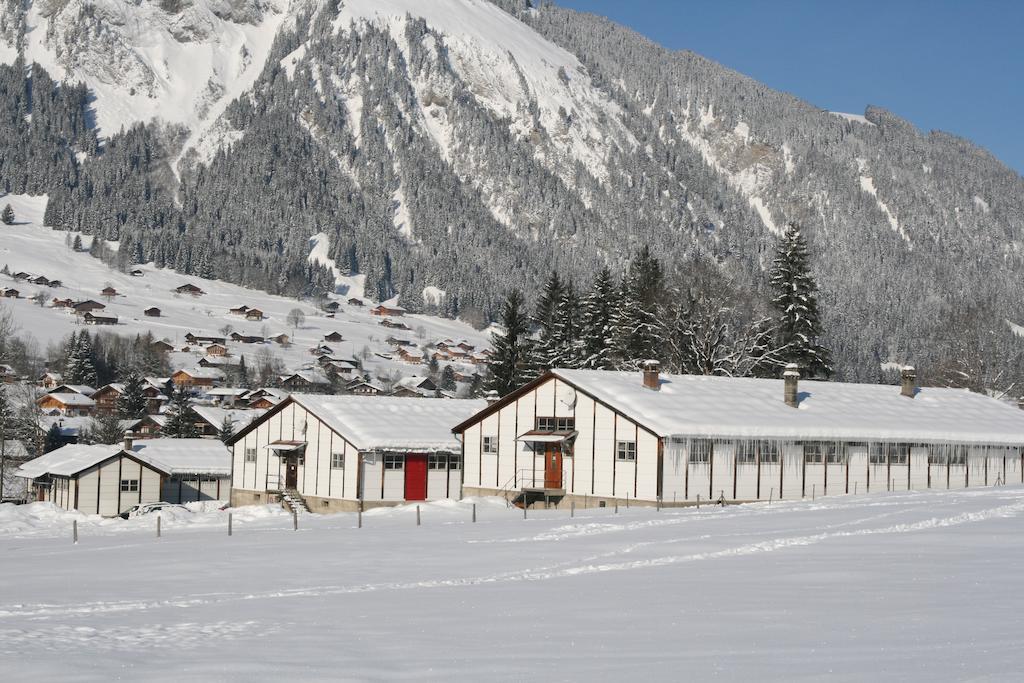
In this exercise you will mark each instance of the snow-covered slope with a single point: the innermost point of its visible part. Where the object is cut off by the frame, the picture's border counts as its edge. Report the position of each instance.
(28, 246)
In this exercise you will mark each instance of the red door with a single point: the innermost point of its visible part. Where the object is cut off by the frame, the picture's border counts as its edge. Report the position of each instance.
(415, 477)
(553, 466)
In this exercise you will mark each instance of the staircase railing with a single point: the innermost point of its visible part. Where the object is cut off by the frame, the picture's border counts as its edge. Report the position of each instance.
(525, 478)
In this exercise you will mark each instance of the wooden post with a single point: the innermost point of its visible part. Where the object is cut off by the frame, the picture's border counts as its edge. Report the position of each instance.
(74, 531)
(814, 491)
(698, 501)
(572, 509)
(417, 515)
(158, 526)
(359, 516)
(855, 487)
(616, 507)
(295, 520)
(474, 513)
(627, 501)
(229, 524)
(771, 494)
(657, 504)
(524, 508)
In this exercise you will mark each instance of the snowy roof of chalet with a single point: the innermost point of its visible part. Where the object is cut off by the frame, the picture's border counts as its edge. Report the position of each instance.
(702, 406)
(203, 373)
(71, 399)
(83, 389)
(392, 423)
(214, 416)
(185, 456)
(67, 460)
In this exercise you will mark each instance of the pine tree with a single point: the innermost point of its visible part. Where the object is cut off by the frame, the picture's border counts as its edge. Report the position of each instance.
(508, 365)
(447, 379)
(227, 429)
(796, 302)
(543, 350)
(106, 429)
(54, 439)
(180, 424)
(77, 243)
(566, 350)
(132, 402)
(635, 328)
(7, 215)
(598, 309)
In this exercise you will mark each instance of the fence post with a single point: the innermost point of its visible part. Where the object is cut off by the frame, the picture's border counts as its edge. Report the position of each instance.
(855, 487)
(657, 504)
(698, 501)
(74, 531)
(359, 515)
(572, 509)
(474, 513)
(814, 491)
(616, 506)
(627, 501)
(771, 494)
(417, 515)
(295, 520)
(158, 526)
(524, 508)
(229, 523)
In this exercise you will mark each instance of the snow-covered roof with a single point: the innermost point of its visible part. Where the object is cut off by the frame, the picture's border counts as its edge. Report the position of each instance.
(185, 456)
(392, 423)
(67, 460)
(83, 389)
(203, 373)
(214, 416)
(116, 386)
(71, 399)
(702, 406)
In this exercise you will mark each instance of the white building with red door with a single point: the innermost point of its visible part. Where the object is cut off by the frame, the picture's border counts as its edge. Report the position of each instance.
(337, 453)
(597, 437)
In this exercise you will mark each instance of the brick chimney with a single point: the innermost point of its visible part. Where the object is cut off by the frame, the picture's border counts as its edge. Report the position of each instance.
(908, 381)
(129, 440)
(790, 380)
(652, 368)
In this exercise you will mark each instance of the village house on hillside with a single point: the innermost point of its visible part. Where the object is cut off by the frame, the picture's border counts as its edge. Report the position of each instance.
(388, 310)
(91, 319)
(189, 288)
(106, 398)
(87, 306)
(197, 377)
(254, 314)
(611, 436)
(334, 453)
(152, 312)
(9, 293)
(109, 480)
(68, 404)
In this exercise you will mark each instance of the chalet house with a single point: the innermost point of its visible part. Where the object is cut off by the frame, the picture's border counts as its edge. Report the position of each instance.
(40, 280)
(109, 292)
(9, 293)
(56, 283)
(341, 369)
(149, 426)
(305, 381)
(591, 434)
(334, 337)
(226, 396)
(152, 312)
(155, 400)
(345, 452)
(216, 350)
(189, 289)
(50, 380)
(281, 339)
(385, 310)
(87, 306)
(355, 302)
(204, 340)
(106, 398)
(83, 389)
(397, 341)
(197, 377)
(331, 307)
(414, 356)
(247, 339)
(389, 323)
(161, 346)
(414, 386)
(62, 303)
(254, 314)
(363, 387)
(91, 319)
(209, 420)
(7, 374)
(239, 310)
(21, 275)
(264, 402)
(109, 480)
(465, 346)
(68, 404)
(321, 350)
(480, 358)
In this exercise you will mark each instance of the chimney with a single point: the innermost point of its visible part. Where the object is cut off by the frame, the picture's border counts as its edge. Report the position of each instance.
(491, 397)
(908, 381)
(790, 379)
(651, 370)
(129, 440)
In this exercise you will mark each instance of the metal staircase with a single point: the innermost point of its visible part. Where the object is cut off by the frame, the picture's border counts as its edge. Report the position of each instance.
(293, 501)
(526, 488)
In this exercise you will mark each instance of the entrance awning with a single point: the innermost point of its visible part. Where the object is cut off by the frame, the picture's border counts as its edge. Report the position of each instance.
(538, 436)
(286, 446)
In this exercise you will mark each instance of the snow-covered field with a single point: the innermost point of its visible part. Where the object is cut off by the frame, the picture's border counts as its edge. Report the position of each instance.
(910, 586)
(29, 246)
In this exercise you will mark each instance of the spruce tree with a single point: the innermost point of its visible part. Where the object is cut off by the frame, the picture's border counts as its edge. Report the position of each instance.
(635, 326)
(7, 215)
(796, 303)
(227, 429)
(598, 309)
(566, 351)
(106, 429)
(508, 365)
(132, 402)
(180, 424)
(80, 365)
(448, 379)
(543, 350)
(54, 440)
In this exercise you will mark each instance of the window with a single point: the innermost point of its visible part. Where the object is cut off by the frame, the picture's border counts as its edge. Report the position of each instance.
(556, 424)
(250, 455)
(455, 462)
(768, 451)
(490, 444)
(835, 454)
(625, 451)
(337, 461)
(899, 453)
(937, 457)
(393, 462)
(130, 485)
(958, 456)
(746, 453)
(876, 454)
(437, 462)
(813, 453)
(700, 451)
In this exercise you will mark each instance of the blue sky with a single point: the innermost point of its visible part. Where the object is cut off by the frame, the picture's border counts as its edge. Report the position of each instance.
(953, 66)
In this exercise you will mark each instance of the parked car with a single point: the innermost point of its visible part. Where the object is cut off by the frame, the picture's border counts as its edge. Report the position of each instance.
(149, 508)
(12, 501)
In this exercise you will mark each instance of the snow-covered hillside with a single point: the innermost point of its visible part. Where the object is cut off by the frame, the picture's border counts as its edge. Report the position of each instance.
(28, 246)
(911, 586)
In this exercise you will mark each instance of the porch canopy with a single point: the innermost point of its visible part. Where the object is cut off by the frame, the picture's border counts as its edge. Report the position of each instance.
(286, 446)
(538, 436)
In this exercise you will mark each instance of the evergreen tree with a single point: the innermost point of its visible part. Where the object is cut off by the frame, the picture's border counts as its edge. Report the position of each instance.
(132, 402)
(7, 215)
(447, 379)
(511, 350)
(598, 309)
(77, 243)
(227, 429)
(796, 303)
(106, 429)
(54, 440)
(566, 350)
(80, 365)
(635, 327)
(543, 351)
(180, 424)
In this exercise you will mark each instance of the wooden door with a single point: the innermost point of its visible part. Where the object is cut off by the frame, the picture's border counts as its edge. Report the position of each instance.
(291, 473)
(415, 476)
(553, 466)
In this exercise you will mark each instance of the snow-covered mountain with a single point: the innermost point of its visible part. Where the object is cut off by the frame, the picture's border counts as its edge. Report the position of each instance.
(446, 150)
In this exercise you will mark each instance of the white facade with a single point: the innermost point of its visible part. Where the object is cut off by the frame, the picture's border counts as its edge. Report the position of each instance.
(558, 436)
